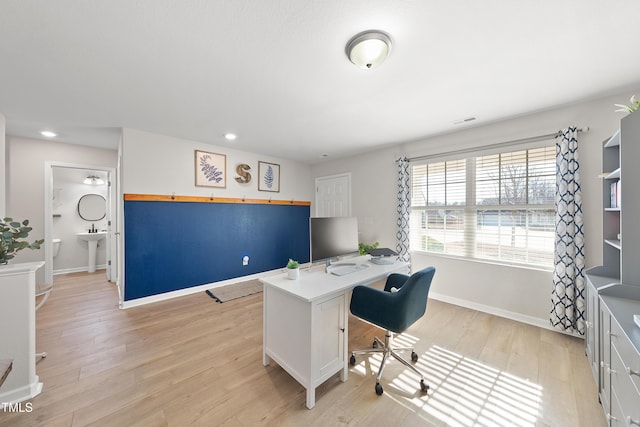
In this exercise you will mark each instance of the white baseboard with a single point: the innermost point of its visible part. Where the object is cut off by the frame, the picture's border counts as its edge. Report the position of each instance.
(195, 289)
(21, 394)
(518, 317)
(76, 270)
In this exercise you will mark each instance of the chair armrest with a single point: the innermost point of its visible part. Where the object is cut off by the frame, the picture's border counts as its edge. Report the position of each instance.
(395, 280)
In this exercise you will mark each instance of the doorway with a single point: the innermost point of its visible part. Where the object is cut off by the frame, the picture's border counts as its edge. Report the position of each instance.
(333, 195)
(67, 187)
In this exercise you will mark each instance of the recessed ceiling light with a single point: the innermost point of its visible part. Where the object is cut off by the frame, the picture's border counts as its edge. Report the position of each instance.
(48, 134)
(230, 136)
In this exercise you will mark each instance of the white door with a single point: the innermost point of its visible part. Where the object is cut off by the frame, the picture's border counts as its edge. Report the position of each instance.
(333, 195)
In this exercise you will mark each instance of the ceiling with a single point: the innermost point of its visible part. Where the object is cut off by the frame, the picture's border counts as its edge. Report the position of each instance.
(275, 72)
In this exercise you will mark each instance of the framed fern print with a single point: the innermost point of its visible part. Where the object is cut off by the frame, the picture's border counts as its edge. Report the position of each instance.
(211, 169)
(268, 177)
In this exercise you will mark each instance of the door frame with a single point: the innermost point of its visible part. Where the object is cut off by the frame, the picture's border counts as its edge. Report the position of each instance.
(112, 254)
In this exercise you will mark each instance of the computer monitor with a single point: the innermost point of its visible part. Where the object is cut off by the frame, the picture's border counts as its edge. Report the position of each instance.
(332, 237)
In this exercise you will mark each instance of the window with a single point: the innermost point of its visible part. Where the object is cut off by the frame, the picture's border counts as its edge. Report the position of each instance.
(498, 206)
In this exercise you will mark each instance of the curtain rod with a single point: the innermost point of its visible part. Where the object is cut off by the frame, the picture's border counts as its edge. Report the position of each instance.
(496, 145)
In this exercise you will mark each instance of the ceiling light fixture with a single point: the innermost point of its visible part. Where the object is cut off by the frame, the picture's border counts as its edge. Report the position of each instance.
(230, 136)
(48, 134)
(93, 180)
(368, 49)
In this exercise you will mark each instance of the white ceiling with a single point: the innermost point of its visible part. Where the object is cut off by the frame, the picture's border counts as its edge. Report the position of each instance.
(275, 71)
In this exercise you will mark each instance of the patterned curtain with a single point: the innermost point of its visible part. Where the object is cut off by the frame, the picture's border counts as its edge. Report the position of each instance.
(404, 204)
(567, 312)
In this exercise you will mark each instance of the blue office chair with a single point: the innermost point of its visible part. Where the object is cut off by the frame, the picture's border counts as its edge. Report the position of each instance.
(403, 301)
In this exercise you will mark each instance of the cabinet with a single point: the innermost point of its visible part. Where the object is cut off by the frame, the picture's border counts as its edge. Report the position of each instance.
(309, 341)
(617, 279)
(620, 347)
(594, 285)
(18, 330)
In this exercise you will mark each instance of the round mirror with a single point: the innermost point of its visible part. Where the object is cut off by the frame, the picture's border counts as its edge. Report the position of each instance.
(92, 207)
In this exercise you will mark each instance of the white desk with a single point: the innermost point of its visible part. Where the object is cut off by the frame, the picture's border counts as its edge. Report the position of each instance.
(305, 321)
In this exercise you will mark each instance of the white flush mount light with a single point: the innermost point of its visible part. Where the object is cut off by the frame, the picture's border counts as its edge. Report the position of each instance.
(369, 49)
(48, 134)
(93, 180)
(230, 136)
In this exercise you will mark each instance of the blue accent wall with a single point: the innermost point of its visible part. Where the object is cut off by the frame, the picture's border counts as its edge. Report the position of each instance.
(177, 245)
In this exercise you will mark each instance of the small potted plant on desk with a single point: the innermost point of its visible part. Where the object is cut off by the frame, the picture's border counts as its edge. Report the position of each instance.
(363, 248)
(293, 269)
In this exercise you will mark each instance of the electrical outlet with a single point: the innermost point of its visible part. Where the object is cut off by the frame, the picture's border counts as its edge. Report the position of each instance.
(245, 260)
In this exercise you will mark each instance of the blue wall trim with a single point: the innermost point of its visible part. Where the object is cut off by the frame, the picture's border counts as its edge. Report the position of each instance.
(177, 245)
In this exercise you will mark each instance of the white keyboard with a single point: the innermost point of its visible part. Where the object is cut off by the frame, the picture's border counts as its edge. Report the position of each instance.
(344, 269)
(382, 261)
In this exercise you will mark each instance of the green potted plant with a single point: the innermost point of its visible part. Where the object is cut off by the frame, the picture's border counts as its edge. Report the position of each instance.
(293, 269)
(634, 105)
(12, 235)
(363, 248)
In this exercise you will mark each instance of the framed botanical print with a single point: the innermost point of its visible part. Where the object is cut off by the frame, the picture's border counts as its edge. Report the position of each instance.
(268, 177)
(211, 169)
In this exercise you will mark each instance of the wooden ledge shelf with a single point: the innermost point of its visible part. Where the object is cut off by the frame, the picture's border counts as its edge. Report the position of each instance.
(204, 199)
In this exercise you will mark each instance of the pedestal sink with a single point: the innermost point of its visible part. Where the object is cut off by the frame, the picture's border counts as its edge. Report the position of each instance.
(92, 242)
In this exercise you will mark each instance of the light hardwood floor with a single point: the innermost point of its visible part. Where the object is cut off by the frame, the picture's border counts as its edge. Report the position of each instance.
(193, 361)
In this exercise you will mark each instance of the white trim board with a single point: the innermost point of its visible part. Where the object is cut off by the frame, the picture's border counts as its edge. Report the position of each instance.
(194, 289)
(529, 320)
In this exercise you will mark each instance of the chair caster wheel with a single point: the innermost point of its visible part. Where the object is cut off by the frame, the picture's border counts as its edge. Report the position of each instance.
(414, 356)
(375, 344)
(423, 386)
(352, 360)
(379, 390)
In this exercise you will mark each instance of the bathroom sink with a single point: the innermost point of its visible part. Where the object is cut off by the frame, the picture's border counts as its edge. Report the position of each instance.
(91, 237)
(92, 244)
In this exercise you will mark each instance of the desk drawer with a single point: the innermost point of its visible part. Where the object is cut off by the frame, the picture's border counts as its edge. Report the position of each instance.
(628, 396)
(628, 354)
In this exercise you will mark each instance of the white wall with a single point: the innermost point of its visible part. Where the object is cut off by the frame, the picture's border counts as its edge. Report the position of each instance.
(25, 194)
(162, 165)
(522, 294)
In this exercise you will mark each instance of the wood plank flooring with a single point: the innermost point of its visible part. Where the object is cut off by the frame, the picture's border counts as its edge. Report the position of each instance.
(193, 361)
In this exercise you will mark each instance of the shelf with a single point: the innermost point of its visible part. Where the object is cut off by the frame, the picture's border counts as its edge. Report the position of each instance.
(613, 175)
(614, 141)
(614, 243)
(612, 209)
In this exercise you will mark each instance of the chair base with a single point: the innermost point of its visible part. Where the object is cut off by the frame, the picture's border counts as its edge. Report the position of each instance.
(387, 350)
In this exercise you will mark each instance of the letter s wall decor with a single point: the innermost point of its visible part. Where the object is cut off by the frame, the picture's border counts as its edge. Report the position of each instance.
(243, 171)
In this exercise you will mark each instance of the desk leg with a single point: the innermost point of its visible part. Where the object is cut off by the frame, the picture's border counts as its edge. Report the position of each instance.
(265, 301)
(345, 338)
(311, 397)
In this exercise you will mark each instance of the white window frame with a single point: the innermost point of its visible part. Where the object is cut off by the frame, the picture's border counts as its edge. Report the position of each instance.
(471, 210)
